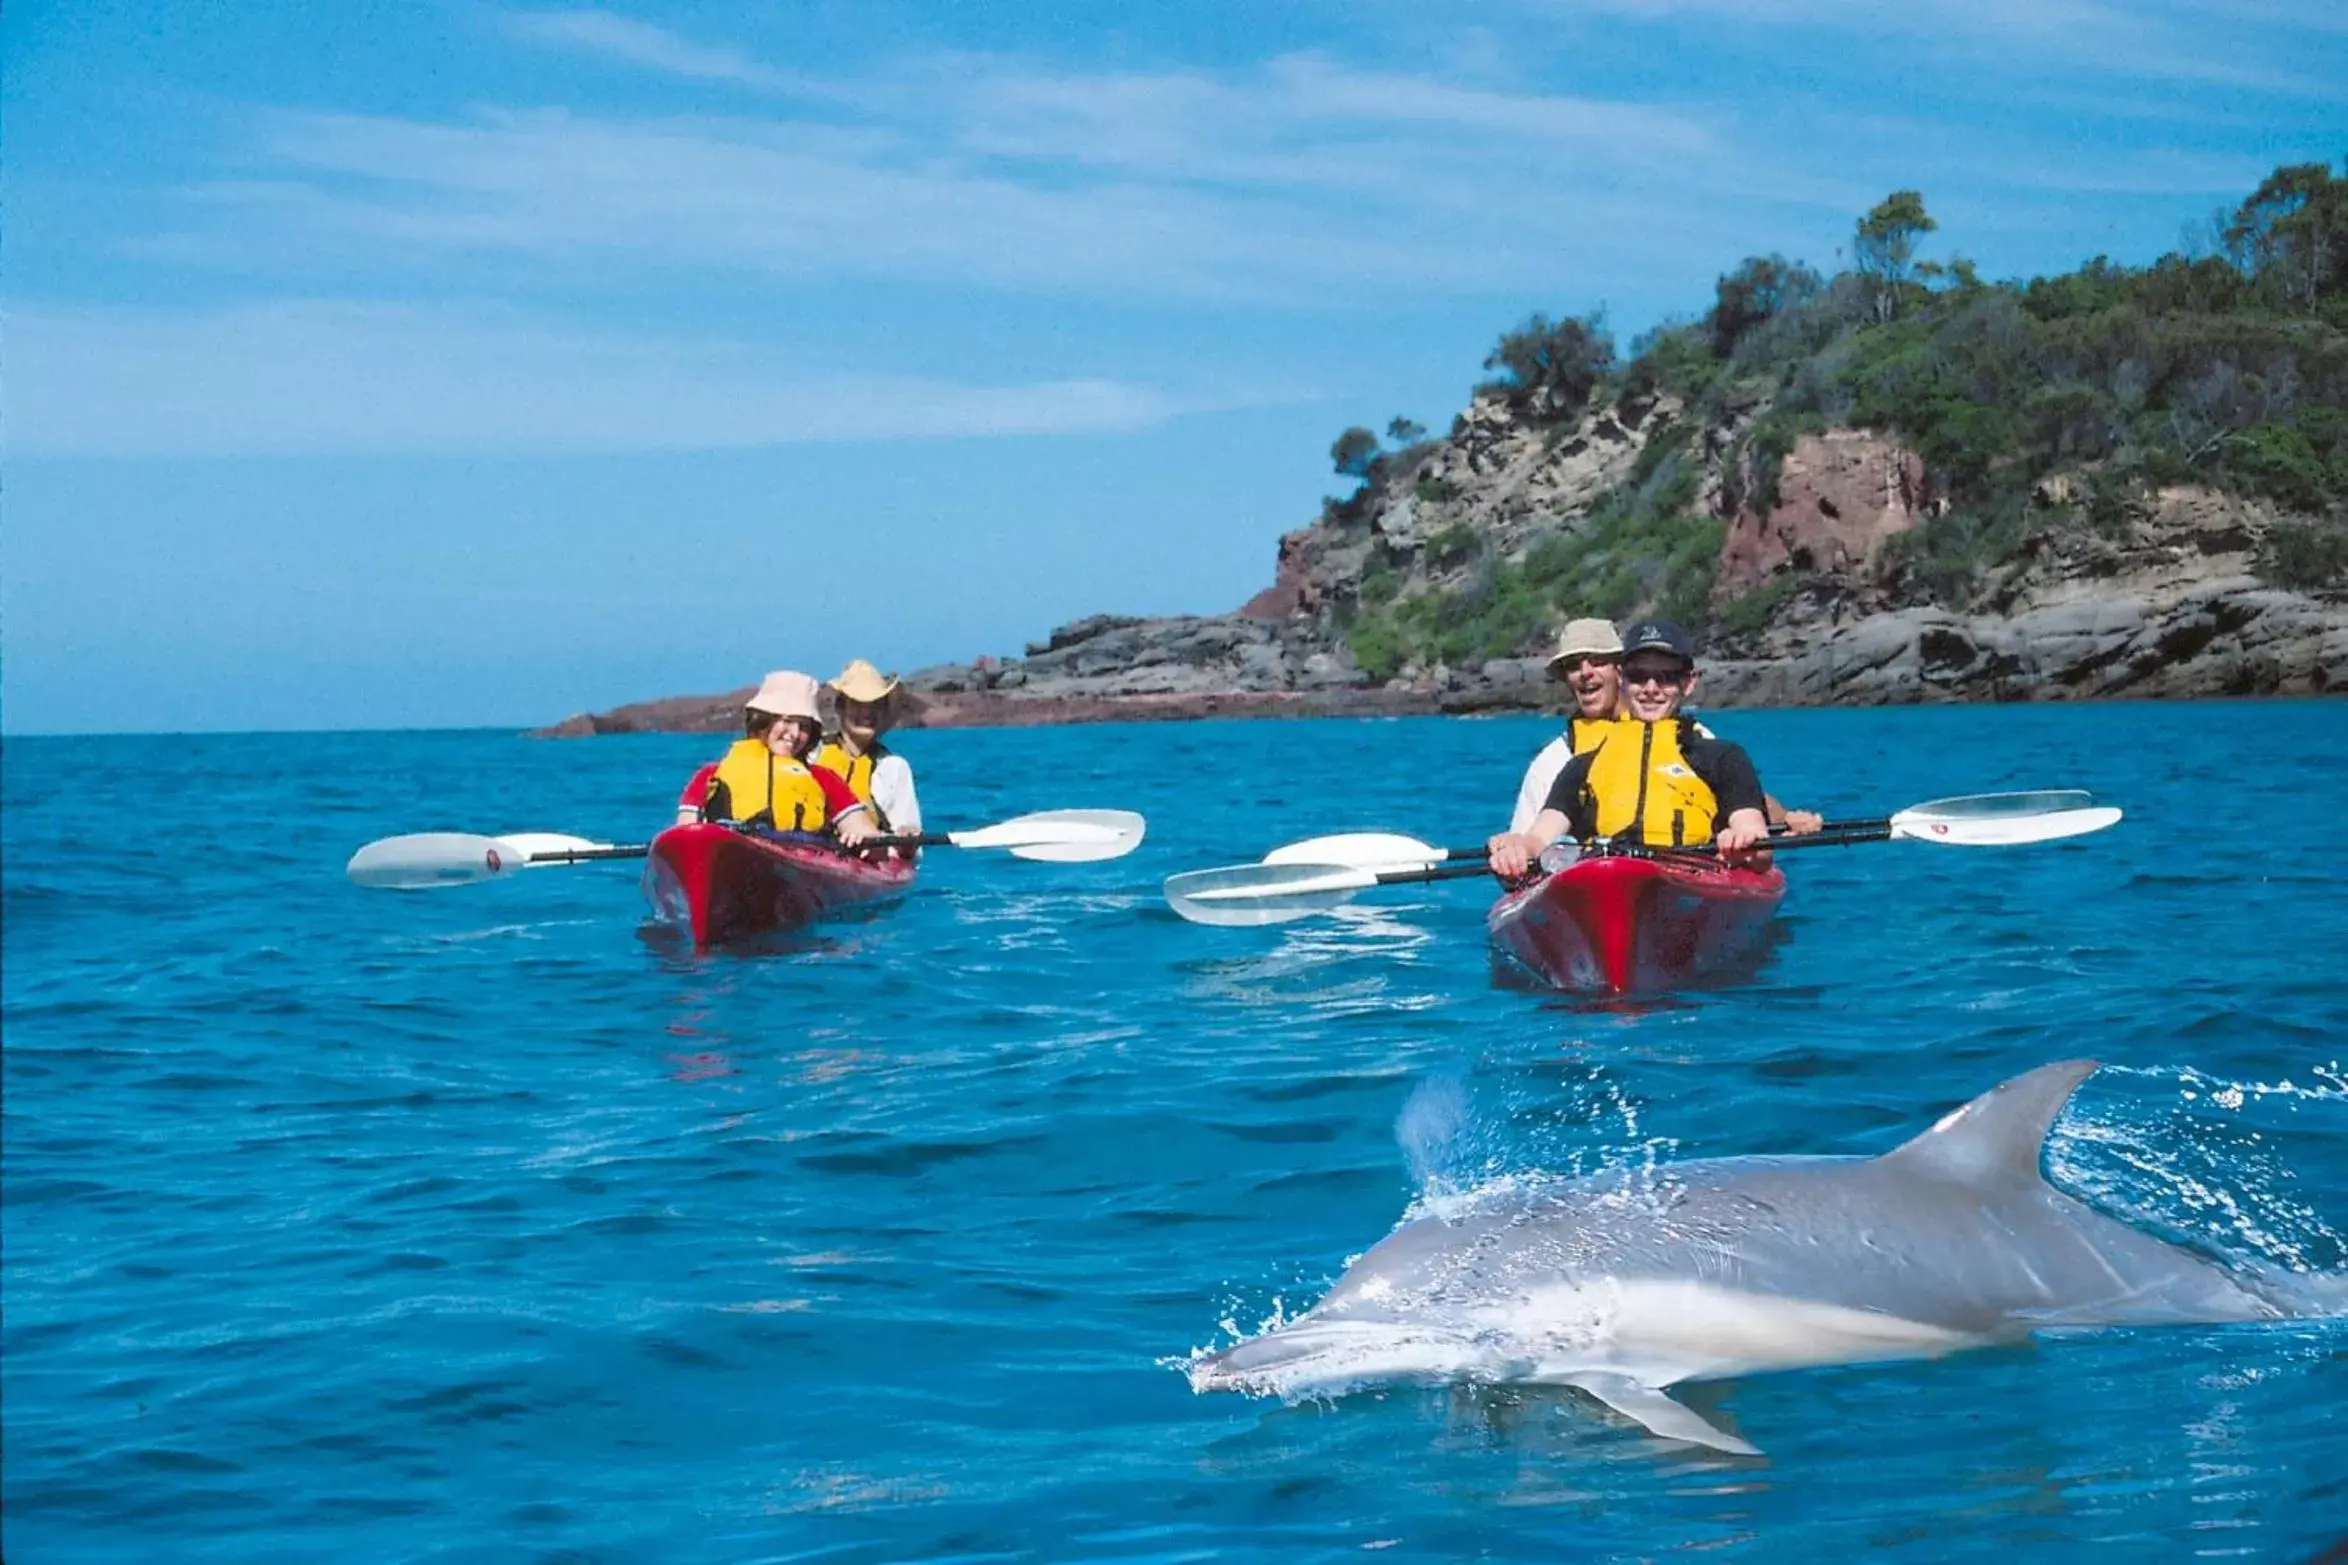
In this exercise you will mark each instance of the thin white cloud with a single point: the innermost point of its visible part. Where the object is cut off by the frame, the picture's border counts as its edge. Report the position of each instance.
(1299, 180)
(1301, 121)
(324, 377)
(641, 44)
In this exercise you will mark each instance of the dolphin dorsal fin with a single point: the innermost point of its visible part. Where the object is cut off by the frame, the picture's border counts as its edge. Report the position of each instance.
(1999, 1136)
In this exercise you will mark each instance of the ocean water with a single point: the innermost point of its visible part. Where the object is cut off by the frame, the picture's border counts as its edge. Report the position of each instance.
(481, 1224)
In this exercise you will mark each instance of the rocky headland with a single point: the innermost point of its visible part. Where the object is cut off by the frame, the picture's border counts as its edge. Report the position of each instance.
(1863, 490)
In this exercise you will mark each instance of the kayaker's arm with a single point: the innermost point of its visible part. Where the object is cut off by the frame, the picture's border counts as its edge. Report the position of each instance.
(692, 802)
(1513, 853)
(1744, 830)
(1744, 821)
(892, 790)
(1798, 823)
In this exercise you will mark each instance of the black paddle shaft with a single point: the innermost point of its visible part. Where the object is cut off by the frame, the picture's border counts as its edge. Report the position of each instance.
(1407, 877)
(635, 850)
(1838, 835)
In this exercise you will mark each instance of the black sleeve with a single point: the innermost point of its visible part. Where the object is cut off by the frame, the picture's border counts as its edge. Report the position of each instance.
(718, 803)
(1728, 771)
(1570, 795)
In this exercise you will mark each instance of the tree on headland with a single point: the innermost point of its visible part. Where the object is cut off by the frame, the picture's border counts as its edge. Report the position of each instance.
(2292, 234)
(1406, 431)
(1884, 247)
(1354, 453)
(1549, 368)
(1756, 292)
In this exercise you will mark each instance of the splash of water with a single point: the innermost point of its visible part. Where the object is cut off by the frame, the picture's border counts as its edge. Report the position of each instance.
(2208, 1169)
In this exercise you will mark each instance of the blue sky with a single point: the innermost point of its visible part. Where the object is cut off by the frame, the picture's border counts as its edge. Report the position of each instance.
(457, 363)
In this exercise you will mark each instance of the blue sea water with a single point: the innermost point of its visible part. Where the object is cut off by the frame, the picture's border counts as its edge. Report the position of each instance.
(480, 1224)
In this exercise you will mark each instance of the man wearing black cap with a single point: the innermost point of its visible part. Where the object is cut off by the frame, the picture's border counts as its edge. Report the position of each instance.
(1658, 780)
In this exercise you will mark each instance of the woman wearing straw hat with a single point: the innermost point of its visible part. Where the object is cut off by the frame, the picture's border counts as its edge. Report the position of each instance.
(870, 703)
(766, 778)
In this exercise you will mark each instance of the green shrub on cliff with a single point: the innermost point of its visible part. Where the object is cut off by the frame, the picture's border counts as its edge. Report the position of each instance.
(1354, 453)
(1549, 368)
(2228, 370)
(1644, 547)
(1751, 614)
(1377, 651)
(2308, 557)
(1673, 359)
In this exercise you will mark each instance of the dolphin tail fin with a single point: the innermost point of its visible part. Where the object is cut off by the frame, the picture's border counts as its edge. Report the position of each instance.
(2000, 1136)
(1659, 1414)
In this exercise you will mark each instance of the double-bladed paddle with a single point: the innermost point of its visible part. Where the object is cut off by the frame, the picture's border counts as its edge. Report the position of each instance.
(453, 858)
(1322, 873)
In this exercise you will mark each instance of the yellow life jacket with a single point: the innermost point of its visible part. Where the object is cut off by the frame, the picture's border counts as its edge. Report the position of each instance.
(833, 756)
(1645, 790)
(1586, 733)
(766, 789)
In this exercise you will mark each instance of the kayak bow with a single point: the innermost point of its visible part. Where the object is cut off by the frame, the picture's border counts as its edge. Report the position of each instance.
(1623, 925)
(728, 885)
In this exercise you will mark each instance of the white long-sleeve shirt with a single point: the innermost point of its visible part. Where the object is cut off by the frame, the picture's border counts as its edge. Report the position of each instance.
(892, 790)
(1540, 777)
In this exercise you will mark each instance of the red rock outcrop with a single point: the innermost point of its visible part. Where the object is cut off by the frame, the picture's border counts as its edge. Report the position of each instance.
(1839, 496)
(1293, 590)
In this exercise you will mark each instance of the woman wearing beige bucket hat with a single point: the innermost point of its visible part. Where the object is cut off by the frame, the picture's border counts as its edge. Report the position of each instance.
(869, 705)
(766, 778)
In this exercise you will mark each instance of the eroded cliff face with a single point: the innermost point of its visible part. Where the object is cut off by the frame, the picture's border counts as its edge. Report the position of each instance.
(2172, 605)
(1816, 598)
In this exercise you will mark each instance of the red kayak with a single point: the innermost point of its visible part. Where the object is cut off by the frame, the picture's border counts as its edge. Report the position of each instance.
(1623, 925)
(729, 885)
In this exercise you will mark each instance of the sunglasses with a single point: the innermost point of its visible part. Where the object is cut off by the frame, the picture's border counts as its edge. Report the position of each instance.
(1575, 665)
(1654, 674)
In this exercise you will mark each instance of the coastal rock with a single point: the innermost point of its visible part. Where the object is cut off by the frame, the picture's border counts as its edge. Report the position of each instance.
(2165, 600)
(1840, 495)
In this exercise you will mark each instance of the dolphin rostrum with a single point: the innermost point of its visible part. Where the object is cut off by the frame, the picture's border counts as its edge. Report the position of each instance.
(1712, 1269)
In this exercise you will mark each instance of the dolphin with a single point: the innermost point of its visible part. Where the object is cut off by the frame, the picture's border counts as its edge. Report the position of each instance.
(1734, 1266)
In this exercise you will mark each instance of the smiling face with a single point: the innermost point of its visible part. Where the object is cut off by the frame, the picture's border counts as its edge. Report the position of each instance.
(1595, 680)
(1654, 684)
(861, 722)
(792, 736)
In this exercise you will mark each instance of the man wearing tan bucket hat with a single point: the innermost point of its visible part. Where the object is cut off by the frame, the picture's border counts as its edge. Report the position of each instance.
(1589, 662)
(869, 704)
(766, 780)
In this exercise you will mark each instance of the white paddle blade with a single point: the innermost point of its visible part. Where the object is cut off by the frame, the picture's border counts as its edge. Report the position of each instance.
(432, 858)
(1993, 831)
(1999, 806)
(526, 844)
(1060, 836)
(1361, 850)
(1257, 894)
